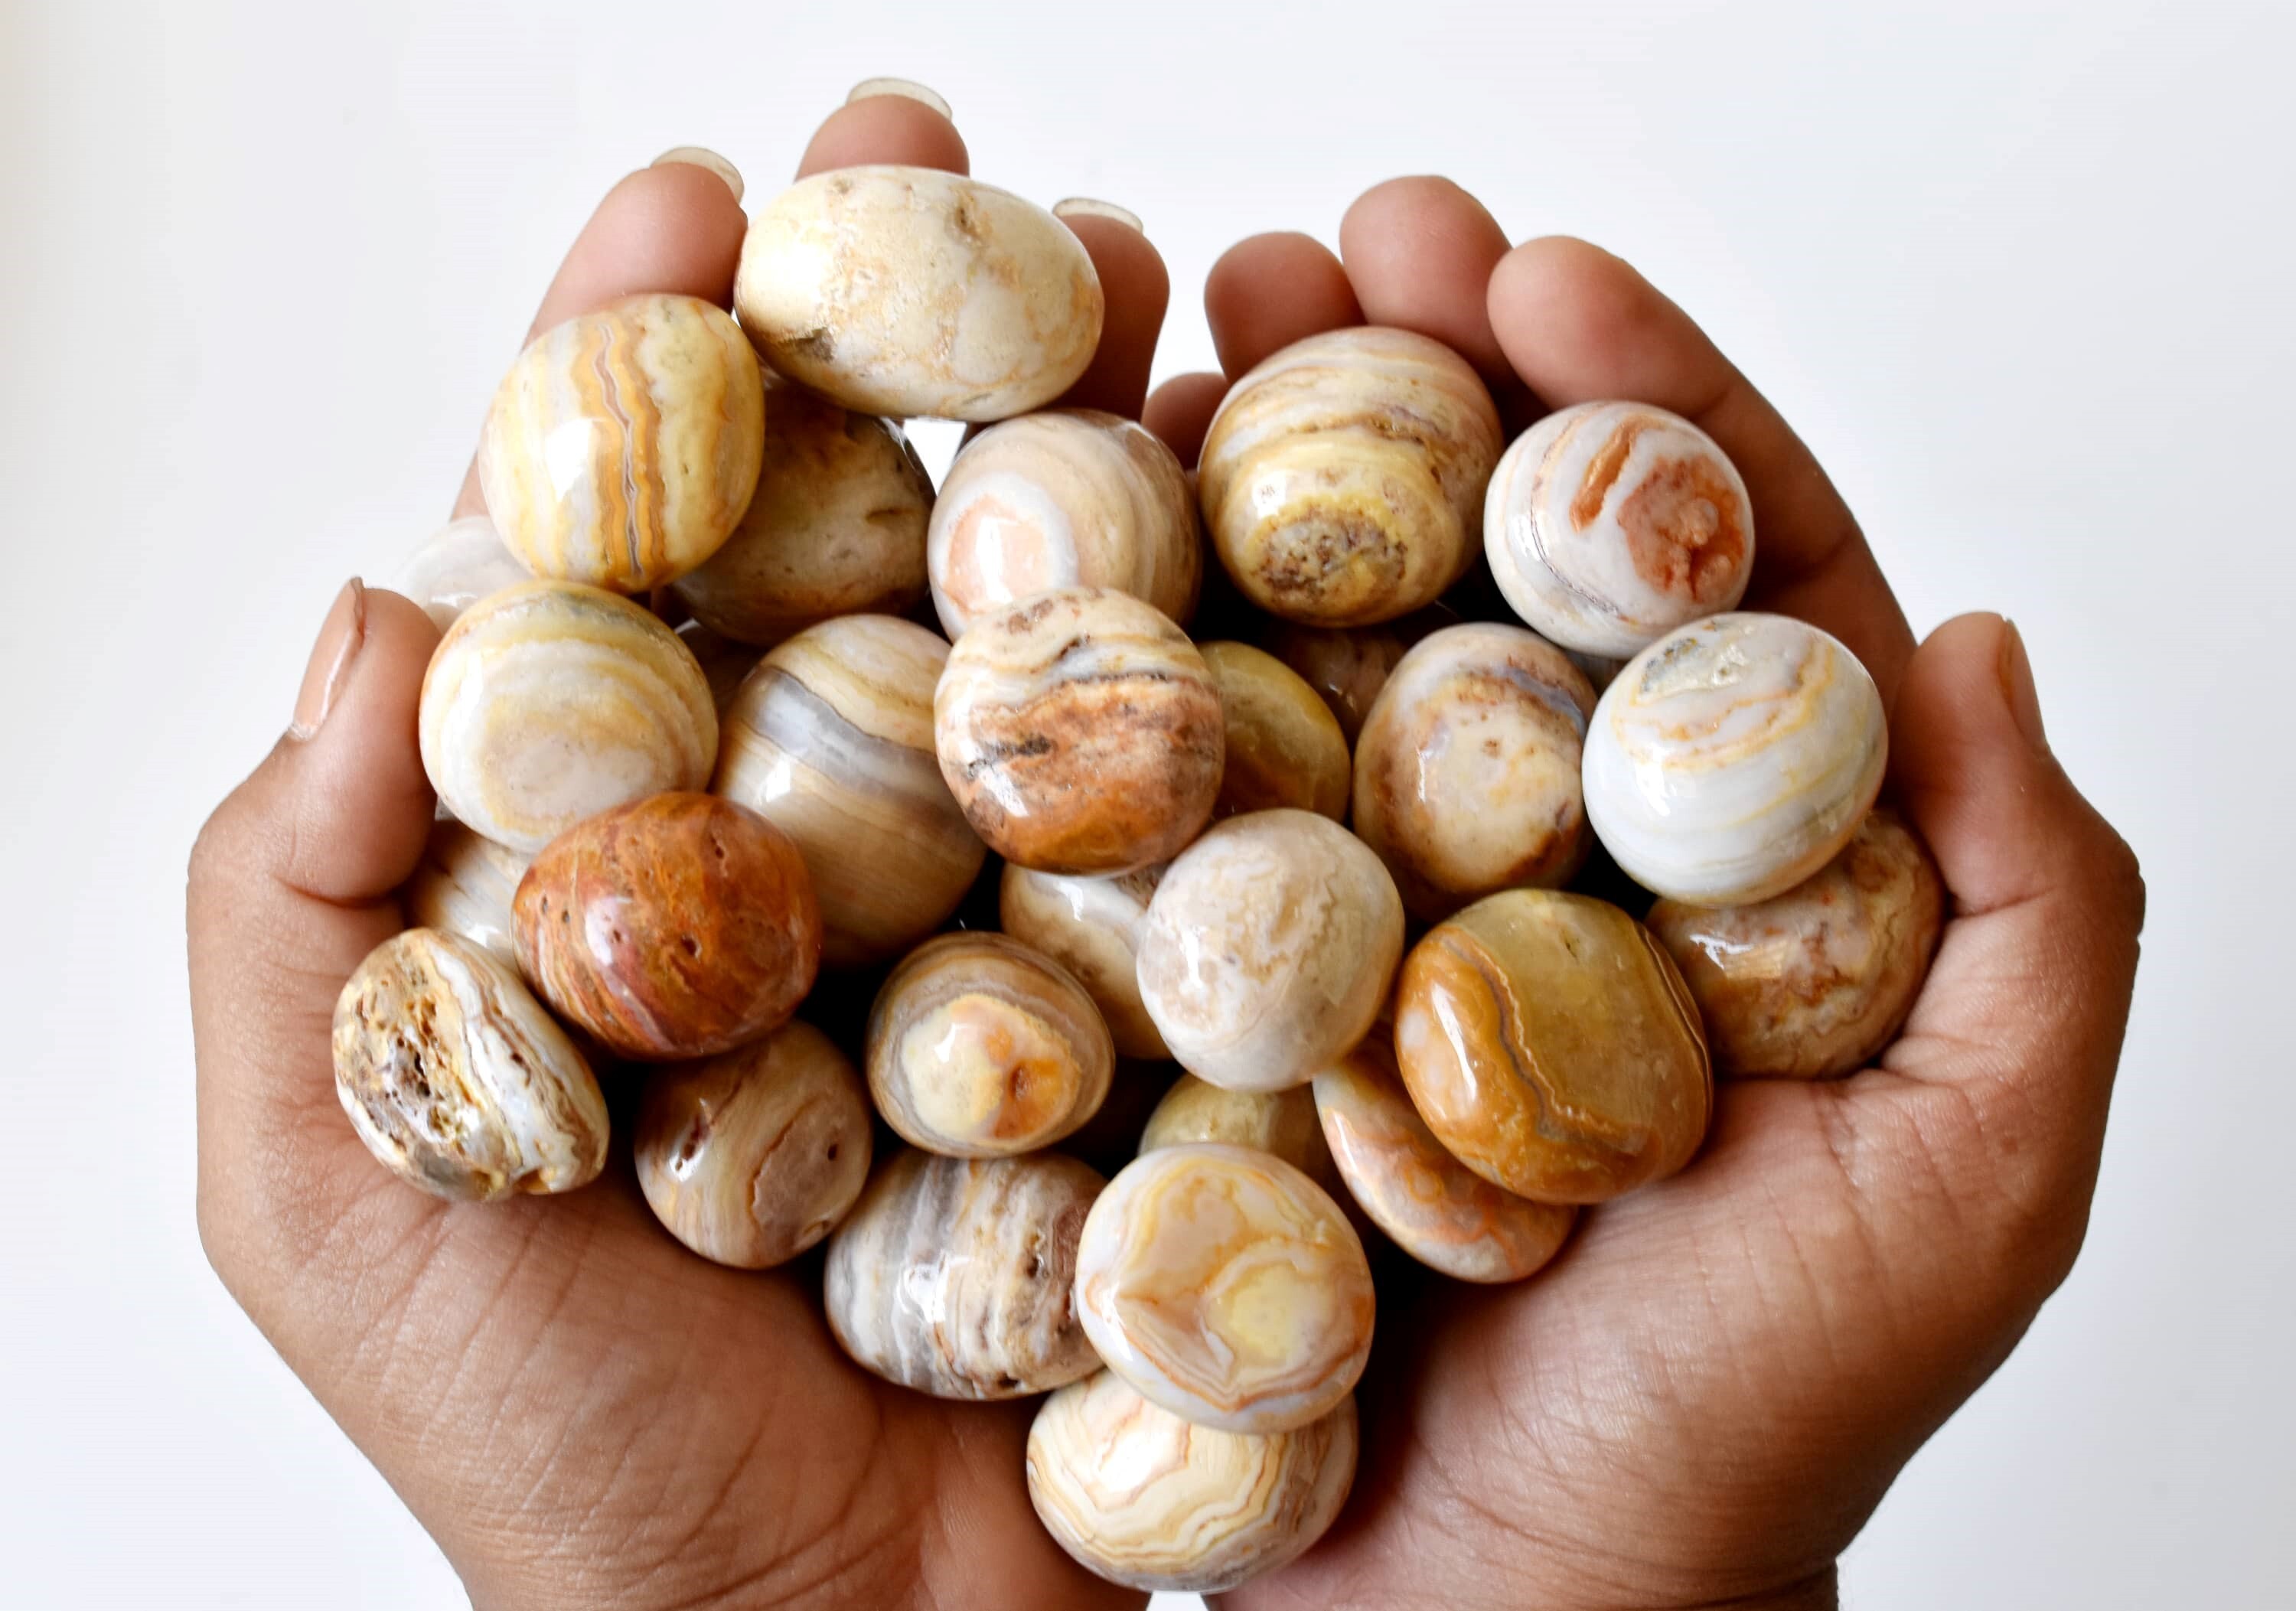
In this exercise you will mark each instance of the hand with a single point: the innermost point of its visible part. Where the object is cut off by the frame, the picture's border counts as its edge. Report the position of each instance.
(1705, 1396)
(580, 1411)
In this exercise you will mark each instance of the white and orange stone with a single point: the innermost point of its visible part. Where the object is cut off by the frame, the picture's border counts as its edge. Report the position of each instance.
(1071, 497)
(1610, 524)
(980, 1047)
(1225, 1285)
(1143, 1498)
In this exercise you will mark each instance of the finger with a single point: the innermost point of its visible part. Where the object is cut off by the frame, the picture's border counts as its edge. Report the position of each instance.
(1181, 411)
(676, 227)
(1272, 289)
(2022, 1014)
(887, 120)
(1419, 253)
(1136, 289)
(289, 889)
(1578, 323)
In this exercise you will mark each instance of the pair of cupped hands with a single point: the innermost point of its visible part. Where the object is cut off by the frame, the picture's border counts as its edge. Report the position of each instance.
(1699, 1402)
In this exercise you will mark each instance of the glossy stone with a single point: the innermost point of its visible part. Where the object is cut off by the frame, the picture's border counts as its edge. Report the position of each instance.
(1732, 759)
(1610, 524)
(837, 527)
(1284, 747)
(624, 444)
(1081, 732)
(548, 703)
(1814, 982)
(1551, 1048)
(980, 1047)
(1345, 666)
(1071, 497)
(1090, 927)
(1283, 1122)
(680, 926)
(832, 740)
(1343, 480)
(455, 566)
(753, 1156)
(455, 1077)
(1432, 1206)
(1466, 772)
(1268, 950)
(1143, 1498)
(1227, 1287)
(908, 291)
(953, 1276)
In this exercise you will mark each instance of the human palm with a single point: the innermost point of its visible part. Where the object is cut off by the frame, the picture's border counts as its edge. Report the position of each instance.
(1700, 1401)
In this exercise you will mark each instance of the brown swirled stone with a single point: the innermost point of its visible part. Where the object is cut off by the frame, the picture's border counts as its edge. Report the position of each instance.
(955, 1276)
(1812, 984)
(1081, 732)
(677, 926)
(1551, 1047)
(753, 1156)
(1466, 772)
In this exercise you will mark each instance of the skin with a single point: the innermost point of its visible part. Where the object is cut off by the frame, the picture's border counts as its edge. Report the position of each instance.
(1699, 1403)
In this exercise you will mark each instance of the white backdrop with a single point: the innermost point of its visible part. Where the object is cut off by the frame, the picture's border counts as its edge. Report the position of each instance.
(2020, 274)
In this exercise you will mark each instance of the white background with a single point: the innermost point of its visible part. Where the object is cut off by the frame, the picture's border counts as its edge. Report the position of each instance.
(2020, 274)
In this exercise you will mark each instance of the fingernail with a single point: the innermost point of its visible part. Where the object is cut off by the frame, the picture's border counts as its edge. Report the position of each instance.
(1085, 207)
(2017, 687)
(340, 637)
(908, 89)
(701, 156)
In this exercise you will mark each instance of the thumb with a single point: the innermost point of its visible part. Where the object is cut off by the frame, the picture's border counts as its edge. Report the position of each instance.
(291, 887)
(2022, 1015)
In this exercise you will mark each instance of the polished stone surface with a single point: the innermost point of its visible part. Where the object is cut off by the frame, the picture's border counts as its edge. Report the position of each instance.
(1342, 478)
(837, 527)
(1268, 948)
(455, 1077)
(1430, 1204)
(1145, 1498)
(548, 703)
(1732, 759)
(1551, 1048)
(463, 885)
(1081, 732)
(1071, 497)
(1284, 746)
(624, 444)
(980, 1047)
(753, 1155)
(1090, 927)
(909, 291)
(1226, 1287)
(1466, 772)
(1813, 983)
(953, 1276)
(1610, 524)
(831, 740)
(680, 926)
